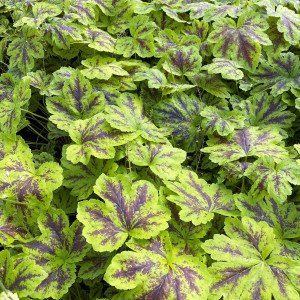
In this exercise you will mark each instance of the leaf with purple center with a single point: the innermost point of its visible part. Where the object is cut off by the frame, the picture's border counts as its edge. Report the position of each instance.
(274, 179)
(162, 159)
(198, 200)
(153, 270)
(250, 141)
(129, 210)
(19, 275)
(246, 267)
(128, 116)
(57, 250)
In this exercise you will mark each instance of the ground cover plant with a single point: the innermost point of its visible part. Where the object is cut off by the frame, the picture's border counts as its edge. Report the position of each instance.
(149, 150)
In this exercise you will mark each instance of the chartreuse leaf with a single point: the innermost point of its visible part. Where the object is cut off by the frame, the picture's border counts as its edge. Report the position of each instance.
(77, 102)
(98, 39)
(264, 110)
(212, 84)
(19, 275)
(162, 159)
(279, 74)
(81, 178)
(40, 12)
(217, 12)
(81, 10)
(273, 178)
(246, 268)
(24, 49)
(224, 122)
(184, 61)
(32, 186)
(250, 141)
(141, 41)
(181, 114)
(41, 81)
(153, 269)
(156, 79)
(102, 68)
(240, 41)
(283, 218)
(288, 24)
(226, 67)
(199, 200)
(8, 295)
(128, 117)
(57, 250)
(10, 107)
(129, 210)
(94, 137)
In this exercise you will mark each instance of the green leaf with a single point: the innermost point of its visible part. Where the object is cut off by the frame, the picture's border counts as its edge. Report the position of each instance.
(162, 159)
(217, 12)
(283, 218)
(273, 178)
(288, 24)
(102, 68)
(279, 74)
(81, 10)
(82, 178)
(240, 41)
(184, 61)
(32, 186)
(152, 271)
(41, 81)
(224, 122)
(212, 84)
(227, 68)
(94, 137)
(40, 12)
(250, 141)
(181, 114)
(129, 210)
(24, 49)
(264, 110)
(20, 275)
(56, 250)
(77, 102)
(128, 117)
(199, 200)
(98, 39)
(156, 79)
(244, 270)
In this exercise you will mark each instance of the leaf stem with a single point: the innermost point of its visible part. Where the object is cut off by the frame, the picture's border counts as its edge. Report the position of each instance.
(30, 112)
(38, 134)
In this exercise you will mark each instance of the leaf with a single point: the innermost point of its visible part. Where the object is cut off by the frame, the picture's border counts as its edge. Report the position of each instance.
(224, 122)
(56, 250)
(82, 178)
(264, 110)
(217, 12)
(212, 84)
(244, 270)
(198, 200)
(128, 117)
(162, 159)
(184, 61)
(102, 68)
(20, 276)
(240, 41)
(77, 102)
(129, 210)
(273, 178)
(41, 81)
(227, 68)
(40, 12)
(152, 271)
(94, 137)
(81, 10)
(156, 79)
(99, 39)
(31, 186)
(283, 218)
(280, 74)
(24, 49)
(181, 114)
(197, 9)
(250, 141)
(288, 24)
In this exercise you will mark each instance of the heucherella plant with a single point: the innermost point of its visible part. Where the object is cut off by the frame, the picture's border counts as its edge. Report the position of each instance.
(149, 149)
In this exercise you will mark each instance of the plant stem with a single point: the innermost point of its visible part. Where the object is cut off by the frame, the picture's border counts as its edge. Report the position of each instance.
(38, 134)
(30, 112)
